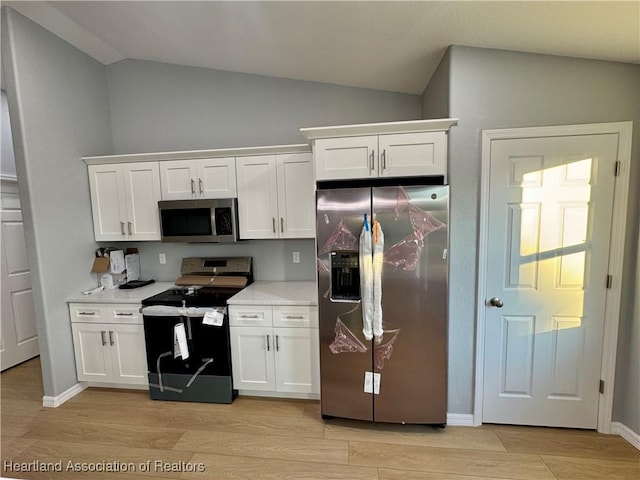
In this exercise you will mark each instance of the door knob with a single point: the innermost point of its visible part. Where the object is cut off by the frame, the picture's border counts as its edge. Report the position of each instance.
(496, 302)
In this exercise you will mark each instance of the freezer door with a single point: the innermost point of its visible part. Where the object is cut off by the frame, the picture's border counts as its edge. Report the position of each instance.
(345, 355)
(412, 355)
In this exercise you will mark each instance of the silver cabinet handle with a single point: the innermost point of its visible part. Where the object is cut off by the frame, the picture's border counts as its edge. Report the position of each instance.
(104, 340)
(200, 185)
(268, 346)
(111, 338)
(282, 224)
(294, 317)
(193, 186)
(384, 159)
(273, 222)
(249, 316)
(496, 302)
(277, 344)
(122, 228)
(372, 158)
(121, 314)
(130, 224)
(92, 314)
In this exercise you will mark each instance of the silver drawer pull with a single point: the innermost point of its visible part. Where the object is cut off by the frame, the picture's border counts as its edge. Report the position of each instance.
(295, 317)
(249, 316)
(104, 340)
(121, 314)
(91, 314)
(111, 338)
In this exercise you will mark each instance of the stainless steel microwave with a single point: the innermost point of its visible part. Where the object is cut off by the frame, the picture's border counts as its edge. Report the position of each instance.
(214, 220)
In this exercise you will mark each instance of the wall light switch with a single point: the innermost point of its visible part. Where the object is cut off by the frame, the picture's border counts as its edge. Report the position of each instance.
(296, 257)
(163, 258)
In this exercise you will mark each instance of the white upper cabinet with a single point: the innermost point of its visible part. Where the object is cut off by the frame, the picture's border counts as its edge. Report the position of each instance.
(346, 157)
(202, 178)
(257, 196)
(296, 195)
(124, 201)
(276, 196)
(397, 149)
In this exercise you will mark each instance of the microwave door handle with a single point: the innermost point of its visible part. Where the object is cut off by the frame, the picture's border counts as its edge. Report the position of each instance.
(214, 231)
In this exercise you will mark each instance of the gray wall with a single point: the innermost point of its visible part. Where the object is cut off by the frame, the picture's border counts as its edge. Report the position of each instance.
(499, 89)
(59, 112)
(162, 107)
(435, 98)
(272, 259)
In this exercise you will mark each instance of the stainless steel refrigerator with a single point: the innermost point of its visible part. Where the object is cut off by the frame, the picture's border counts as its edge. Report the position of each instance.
(399, 375)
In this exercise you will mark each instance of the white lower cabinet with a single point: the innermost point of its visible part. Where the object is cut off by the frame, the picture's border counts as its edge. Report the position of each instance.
(110, 352)
(267, 357)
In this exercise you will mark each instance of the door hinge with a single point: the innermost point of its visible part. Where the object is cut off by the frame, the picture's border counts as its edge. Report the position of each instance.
(609, 281)
(618, 167)
(601, 389)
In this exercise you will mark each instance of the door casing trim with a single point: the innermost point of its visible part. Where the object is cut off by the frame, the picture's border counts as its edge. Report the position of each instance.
(616, 252)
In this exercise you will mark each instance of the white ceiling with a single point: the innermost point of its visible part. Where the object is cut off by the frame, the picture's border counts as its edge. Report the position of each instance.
(392, 46)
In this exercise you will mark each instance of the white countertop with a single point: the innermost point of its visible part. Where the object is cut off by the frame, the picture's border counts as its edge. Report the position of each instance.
(117, 295)
(277, 293)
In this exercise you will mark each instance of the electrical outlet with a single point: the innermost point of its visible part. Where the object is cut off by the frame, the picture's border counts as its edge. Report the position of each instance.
(296, 257)
(163, 258)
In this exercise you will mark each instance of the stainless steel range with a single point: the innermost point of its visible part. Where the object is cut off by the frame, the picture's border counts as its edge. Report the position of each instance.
(186, 331)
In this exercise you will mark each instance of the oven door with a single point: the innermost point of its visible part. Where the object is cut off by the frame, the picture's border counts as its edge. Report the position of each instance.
(187, 358)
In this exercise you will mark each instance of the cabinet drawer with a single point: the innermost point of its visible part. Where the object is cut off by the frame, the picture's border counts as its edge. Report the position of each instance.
(250, 316)
(295, 316)
(86, 312)
(122, 313)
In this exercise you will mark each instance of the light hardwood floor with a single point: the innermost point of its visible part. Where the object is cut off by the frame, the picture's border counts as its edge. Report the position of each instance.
(256, 438)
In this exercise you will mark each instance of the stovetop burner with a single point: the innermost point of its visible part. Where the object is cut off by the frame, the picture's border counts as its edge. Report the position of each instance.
(174, 297)
(206, 282)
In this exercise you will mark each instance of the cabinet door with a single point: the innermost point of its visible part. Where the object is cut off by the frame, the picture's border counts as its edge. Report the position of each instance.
(178, 179)
(142, 188)
(107, 202)
(252, 358)
(296, 199)
(93, 359)
(297, 360)
(217, 178)
(257, 196)
(347, 157)
(407, 154)
(129, 356)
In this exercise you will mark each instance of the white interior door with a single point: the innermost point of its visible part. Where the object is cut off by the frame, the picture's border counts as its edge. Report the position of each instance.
(19, 336)
(549, 227)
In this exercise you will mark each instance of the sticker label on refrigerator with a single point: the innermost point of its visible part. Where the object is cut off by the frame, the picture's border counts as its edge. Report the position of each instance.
(376, 383)
(368, 382)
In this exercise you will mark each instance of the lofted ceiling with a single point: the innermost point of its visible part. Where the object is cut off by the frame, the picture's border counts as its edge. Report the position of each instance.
(392, 46)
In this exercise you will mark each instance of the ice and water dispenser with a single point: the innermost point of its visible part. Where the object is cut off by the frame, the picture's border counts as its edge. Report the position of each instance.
(345, 276)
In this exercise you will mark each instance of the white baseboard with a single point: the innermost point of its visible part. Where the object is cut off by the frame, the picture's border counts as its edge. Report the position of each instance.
(460, 419)
(54, 402)
(625, 432)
